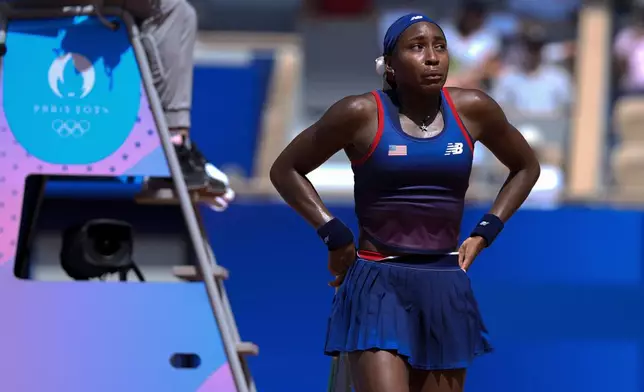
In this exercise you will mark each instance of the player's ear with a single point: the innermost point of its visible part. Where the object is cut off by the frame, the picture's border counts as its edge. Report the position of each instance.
(388, 68)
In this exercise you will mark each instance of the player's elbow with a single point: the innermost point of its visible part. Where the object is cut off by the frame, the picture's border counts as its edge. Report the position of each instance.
(279, 172)
(528, 169)
(533, 170)
(276, 173)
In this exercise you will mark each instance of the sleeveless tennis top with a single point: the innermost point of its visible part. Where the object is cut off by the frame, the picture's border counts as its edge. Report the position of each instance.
(410, 192)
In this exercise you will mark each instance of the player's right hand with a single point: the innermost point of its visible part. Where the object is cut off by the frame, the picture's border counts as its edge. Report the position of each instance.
(339, 262)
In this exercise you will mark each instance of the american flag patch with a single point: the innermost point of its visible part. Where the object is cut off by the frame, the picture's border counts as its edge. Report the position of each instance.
(397, 151)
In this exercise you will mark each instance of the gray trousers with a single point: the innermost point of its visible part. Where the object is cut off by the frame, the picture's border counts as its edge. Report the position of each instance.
(169, 39)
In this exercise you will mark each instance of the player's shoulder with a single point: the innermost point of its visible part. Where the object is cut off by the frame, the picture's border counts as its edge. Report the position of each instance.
(352, 111)
(472, 103)
(358, 105)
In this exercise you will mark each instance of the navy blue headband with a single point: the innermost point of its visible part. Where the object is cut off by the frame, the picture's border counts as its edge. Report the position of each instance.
(398, 27)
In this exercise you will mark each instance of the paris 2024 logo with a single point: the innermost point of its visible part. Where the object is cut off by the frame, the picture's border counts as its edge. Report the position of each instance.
(70, 107)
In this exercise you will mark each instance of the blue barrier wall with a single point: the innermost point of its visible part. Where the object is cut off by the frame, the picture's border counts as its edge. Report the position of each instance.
(225, 125)
(561, 292)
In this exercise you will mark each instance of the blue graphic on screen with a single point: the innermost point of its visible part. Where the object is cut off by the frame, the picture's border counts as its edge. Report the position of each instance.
(80, 94)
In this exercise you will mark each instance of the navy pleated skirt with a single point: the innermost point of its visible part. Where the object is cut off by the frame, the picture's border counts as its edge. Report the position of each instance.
(422, 308)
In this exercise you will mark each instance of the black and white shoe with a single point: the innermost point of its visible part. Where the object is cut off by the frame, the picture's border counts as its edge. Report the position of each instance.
(216, 181)
(202, 178)
(193, 167)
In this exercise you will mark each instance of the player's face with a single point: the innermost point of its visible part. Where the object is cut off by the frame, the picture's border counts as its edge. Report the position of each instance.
(421, 59)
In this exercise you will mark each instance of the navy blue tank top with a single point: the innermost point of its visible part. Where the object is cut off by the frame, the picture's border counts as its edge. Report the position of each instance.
(410, 192)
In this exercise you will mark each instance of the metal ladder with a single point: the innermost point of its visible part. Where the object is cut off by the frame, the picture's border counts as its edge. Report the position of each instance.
(207, 269)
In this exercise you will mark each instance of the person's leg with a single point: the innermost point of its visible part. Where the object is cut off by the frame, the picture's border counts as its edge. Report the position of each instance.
(378, 371)
(437, 380)
(170, 38)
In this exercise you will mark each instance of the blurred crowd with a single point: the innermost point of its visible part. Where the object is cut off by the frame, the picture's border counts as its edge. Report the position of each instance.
(625, 138)
(521, 52)
(520, 61)
(523, 55)
(628, 49)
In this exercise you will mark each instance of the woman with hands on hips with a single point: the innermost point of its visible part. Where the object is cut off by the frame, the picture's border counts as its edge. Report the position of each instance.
(404, 310)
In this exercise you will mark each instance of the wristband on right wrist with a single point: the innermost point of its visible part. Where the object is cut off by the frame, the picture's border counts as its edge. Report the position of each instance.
(335, 234)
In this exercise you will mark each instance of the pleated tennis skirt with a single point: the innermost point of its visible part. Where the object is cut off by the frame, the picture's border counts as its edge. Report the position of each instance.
(423, 308)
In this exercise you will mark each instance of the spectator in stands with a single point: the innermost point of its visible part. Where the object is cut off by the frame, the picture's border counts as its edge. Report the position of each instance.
(629, 52)
(473, 48)
(550, 11)
(559, 49)
(533, 87)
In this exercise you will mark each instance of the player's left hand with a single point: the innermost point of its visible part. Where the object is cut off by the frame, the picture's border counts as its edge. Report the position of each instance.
(470, 248)
(339, 262)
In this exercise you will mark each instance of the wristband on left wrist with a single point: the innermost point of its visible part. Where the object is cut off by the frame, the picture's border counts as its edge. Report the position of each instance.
(488, 228)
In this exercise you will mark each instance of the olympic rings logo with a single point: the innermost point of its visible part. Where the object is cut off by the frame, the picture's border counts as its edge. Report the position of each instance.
(74, 128)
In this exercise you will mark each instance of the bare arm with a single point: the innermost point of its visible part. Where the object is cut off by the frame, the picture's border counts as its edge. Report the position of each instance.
(491, 127)
(335, 131)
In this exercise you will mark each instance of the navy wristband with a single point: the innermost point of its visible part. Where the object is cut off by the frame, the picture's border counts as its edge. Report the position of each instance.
(335, 234)
(488, 228)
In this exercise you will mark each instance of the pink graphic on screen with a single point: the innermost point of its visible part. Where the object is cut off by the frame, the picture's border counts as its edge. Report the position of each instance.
(17, 164)
(86, 336)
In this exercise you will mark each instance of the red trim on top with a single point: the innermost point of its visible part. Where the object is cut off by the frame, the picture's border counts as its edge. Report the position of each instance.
(376, 139)
(370, 255)
(466, 134)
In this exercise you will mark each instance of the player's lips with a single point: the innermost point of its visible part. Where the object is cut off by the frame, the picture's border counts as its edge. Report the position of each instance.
(432, 76)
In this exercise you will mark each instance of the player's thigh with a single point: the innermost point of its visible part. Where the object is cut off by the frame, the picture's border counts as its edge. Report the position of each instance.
(437, 380)
(378, 371)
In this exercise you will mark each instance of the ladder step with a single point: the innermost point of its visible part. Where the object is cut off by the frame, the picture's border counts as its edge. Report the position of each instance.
(247, 349)
(168, 197)
(191, 273)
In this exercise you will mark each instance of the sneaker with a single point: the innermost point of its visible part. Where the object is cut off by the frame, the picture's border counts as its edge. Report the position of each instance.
(216, 177)
(199, 175)
(194, 174)
(216, 181)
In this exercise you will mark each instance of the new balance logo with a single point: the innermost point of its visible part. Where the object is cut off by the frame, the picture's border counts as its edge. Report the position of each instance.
(416, 17)
(454, 149)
